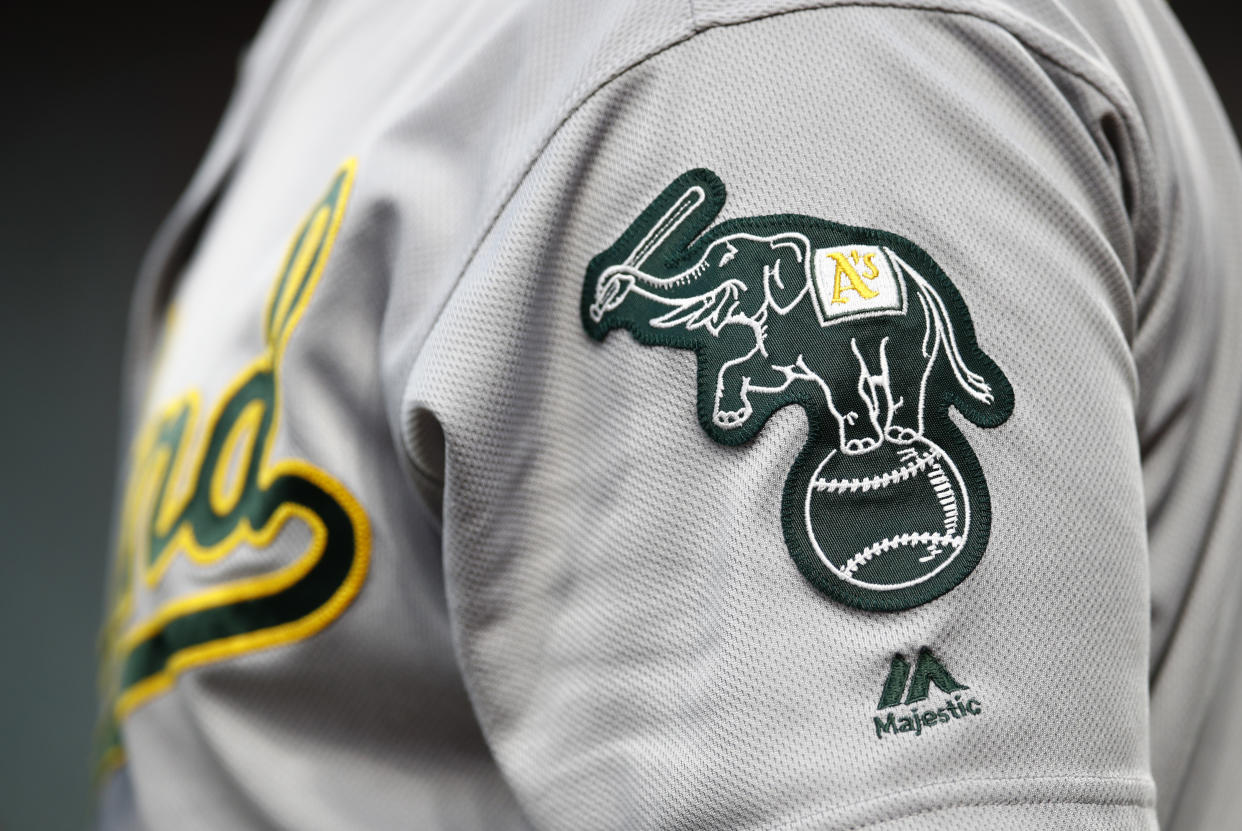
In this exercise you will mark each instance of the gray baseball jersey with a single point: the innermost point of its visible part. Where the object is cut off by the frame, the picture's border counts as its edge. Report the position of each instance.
(720, 414)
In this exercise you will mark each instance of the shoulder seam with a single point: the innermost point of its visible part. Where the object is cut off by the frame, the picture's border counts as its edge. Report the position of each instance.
(698, 27)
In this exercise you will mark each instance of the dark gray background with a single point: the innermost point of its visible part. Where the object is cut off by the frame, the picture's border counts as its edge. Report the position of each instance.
(106, 110)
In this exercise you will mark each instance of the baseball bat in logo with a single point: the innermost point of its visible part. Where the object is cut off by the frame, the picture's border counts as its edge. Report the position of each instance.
(886, 506)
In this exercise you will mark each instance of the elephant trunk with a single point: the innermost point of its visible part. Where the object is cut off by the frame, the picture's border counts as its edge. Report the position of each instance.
(616, 283)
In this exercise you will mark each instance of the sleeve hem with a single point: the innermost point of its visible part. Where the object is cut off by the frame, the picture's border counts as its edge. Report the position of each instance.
(1011, 795)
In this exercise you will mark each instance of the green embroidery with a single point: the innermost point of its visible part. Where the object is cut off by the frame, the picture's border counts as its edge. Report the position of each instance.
(895, 684)
(205, 499)
(886, 506)
(927, 671)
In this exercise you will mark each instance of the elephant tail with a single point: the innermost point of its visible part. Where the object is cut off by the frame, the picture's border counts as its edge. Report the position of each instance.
(939, 318)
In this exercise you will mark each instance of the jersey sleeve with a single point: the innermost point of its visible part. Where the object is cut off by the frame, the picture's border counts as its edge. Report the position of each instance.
(784, 432)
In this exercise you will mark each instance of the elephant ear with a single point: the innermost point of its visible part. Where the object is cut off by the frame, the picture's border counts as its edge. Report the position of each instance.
(788, 274)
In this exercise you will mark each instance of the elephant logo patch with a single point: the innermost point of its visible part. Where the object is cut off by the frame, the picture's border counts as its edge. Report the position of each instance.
(886, 506)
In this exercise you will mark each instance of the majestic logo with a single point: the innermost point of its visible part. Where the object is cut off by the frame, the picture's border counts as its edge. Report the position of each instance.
(928, 672)
(886, 506)
(203, 492)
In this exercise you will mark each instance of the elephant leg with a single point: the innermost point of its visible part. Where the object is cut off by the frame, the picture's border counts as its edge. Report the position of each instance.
(909, 357)
(744, 379)
(738, 380)
(850, 402)
(861, 403)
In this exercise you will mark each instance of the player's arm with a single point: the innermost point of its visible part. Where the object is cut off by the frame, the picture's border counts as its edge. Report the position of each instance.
(790, 471)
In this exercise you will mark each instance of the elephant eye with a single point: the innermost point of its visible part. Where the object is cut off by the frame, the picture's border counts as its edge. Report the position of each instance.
(729, 254)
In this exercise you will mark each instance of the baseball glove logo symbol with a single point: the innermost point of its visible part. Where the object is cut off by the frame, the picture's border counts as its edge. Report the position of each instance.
(886, 506)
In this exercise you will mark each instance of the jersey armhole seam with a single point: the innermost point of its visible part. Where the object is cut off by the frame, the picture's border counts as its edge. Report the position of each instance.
(698, 28)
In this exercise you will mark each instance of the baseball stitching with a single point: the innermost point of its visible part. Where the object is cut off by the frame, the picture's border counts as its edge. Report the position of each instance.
(883, 481)
(944, 492)
(862, 557)
(945, 495)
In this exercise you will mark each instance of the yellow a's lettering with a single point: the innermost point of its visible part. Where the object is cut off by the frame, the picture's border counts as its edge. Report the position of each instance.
(846, 269)
(869, 261)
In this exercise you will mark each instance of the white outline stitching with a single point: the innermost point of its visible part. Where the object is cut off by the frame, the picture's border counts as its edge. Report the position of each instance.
(927, 538)
(882, 481)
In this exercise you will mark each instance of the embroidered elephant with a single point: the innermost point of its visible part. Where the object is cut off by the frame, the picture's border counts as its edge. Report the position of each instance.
(787, 302)
(858, 326)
